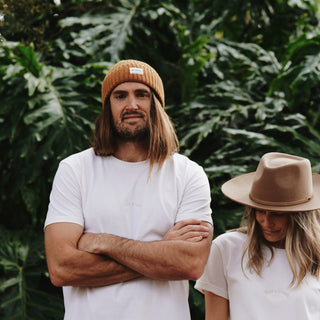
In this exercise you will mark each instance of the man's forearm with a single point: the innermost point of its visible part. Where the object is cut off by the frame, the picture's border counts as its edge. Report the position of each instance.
(92, 271)
(163, 260)
(69, 266)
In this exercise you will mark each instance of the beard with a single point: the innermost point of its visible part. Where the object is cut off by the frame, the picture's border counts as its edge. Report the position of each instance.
(126, 132)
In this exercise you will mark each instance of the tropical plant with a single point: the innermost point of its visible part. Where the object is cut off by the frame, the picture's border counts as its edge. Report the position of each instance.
(241, 79)
(21, 291)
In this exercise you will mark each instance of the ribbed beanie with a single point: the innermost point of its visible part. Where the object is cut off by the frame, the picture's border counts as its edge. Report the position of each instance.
(132, 71)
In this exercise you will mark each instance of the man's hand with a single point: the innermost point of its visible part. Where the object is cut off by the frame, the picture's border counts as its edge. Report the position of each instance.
(69, 266)
(89, 242)
(187, 230)
(180, 255)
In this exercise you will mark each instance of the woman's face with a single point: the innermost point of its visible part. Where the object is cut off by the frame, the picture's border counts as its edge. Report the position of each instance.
(273, 225)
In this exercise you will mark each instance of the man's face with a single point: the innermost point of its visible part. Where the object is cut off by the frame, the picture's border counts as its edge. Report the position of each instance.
(130, 104)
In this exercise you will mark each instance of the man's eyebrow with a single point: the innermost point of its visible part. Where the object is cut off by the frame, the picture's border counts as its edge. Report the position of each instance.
(143, 90)
(119, 92)
(125, 91)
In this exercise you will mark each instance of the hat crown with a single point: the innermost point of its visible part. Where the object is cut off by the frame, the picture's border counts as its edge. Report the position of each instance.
(132, 71)
(282, 180)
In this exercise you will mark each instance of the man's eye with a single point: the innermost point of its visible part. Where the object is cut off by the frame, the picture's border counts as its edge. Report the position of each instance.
(142, 94)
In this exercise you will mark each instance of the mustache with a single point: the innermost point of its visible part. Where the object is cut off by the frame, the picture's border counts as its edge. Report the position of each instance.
(137, 113)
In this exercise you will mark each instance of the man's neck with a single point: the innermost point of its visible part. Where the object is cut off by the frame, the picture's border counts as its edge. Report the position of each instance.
(131, 152)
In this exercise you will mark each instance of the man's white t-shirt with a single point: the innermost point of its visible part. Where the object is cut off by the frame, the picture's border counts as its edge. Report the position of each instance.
(107, 195)
(251, 297)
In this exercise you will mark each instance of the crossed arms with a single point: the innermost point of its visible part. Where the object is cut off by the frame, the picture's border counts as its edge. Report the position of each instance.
(78, 259)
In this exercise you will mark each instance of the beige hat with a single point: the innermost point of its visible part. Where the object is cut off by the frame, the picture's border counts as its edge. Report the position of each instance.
(282, 182)
(132, 71)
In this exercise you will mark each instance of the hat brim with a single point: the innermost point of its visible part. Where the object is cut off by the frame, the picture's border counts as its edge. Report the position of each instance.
(238, 190)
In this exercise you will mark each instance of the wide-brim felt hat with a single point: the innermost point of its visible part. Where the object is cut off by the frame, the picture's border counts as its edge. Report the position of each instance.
(282, 182)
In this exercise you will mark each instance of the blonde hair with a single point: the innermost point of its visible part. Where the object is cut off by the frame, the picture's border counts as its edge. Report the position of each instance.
(161, 142)
(302, 244)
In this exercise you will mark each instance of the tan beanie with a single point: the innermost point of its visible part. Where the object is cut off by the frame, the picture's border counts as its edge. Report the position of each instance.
(132, 71)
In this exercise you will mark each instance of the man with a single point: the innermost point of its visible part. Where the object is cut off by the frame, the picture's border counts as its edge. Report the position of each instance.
(129, 220)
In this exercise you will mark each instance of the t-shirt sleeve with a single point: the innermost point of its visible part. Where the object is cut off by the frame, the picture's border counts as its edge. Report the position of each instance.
(65, 197)
(196, 197)
(213, 278)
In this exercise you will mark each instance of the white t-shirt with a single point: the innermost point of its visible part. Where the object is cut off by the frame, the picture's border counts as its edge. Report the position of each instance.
(107, 195)
(269, 297)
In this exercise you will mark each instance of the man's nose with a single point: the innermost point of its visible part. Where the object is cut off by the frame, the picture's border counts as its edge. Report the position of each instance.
(131, 102)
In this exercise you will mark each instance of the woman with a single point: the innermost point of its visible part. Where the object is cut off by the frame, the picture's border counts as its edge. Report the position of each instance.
(268, 268)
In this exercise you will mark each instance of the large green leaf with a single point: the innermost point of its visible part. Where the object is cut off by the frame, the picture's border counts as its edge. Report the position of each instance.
(22, 273)
(241, 79)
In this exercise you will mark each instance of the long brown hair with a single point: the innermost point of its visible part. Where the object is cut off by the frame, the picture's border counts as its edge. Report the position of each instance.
(302, 244)
(161, 143)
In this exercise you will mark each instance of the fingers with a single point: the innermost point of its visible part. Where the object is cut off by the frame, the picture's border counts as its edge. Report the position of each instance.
(82, 244)
(190, 230)
(195, 239)
(194, 236)
(87, 242)
(183, 223)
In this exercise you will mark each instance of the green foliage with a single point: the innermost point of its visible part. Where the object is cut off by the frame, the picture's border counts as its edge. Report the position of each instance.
(299, 77)
(241, 79)
(27, 19)
(24, 290)
(45, 118)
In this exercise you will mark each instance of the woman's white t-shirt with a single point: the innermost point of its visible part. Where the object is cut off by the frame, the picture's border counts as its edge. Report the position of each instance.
(269, 297)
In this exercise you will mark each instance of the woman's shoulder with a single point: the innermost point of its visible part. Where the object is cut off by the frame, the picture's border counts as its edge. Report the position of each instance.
(230, 239)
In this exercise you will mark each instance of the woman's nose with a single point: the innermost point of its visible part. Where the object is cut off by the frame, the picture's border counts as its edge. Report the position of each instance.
(268, 219)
